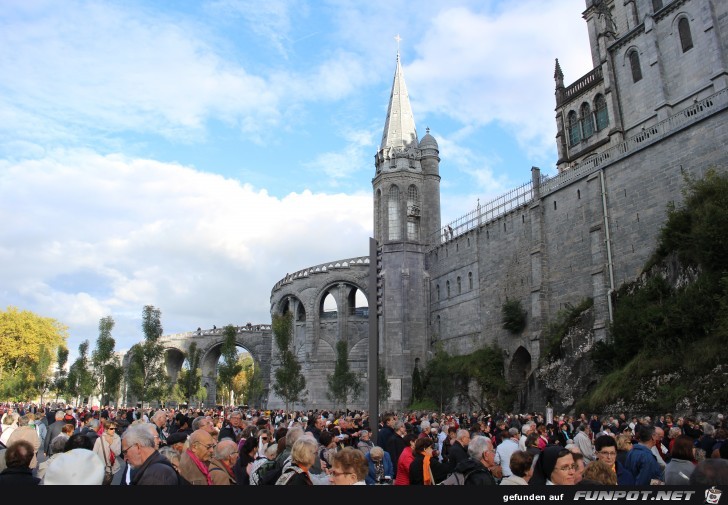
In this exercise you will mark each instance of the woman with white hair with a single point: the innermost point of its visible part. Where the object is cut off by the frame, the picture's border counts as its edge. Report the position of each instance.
(57, 446)
(303, 456)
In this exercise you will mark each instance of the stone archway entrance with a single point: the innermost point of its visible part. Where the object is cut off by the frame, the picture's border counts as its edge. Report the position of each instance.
(518, 372)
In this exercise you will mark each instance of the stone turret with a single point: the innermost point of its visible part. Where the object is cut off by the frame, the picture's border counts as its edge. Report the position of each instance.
(406, 218)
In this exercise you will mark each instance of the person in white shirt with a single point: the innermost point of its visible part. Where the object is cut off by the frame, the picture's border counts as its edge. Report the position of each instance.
(505, 450)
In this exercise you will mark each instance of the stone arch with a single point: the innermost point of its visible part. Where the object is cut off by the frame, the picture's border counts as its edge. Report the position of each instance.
(325, 308)
(173, 360)
(209, 363)
(294, 305)
(520, 366)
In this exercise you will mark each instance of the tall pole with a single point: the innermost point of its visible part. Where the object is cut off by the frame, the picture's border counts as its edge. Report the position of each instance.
(373, 300)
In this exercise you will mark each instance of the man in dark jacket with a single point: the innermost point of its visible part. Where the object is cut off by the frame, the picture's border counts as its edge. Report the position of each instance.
(18, 457)
(397, 443)
(53, 431)
(232, 428)
(476, 468)
(386, 431)
(459, 449)
(148, 466)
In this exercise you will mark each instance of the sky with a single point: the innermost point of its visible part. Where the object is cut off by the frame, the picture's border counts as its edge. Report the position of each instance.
(190, 154)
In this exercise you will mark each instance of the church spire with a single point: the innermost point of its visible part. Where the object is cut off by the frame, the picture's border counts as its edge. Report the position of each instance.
(399, 129)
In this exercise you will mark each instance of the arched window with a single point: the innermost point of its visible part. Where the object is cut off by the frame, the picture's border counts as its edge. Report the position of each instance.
(574, 134)
(686, 40)
(460, 287)
(600, 104)
(413, 214)
(437, 289)
(448, 288)
(470, 279)
(587, 121)
(439, 328)
(393, 213)
(634, 62)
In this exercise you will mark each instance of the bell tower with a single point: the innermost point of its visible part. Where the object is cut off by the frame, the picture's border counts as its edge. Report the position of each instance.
(406, 224)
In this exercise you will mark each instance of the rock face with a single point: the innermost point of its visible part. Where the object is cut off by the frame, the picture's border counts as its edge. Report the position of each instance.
(562, 381)
(572, 376)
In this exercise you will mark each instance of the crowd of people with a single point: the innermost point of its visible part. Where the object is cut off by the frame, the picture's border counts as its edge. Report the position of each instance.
(59, 444)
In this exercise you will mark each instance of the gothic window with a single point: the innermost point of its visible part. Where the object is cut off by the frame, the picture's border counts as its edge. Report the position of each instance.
(439, 328)
(600, 104)
(393, 213)
(656, 5)
(413, 214)
(460, 288)
(470, 280)
(448, 288)
(634, 63)
(574, 134)
(686, 40)
(587, 121)
(437, 290)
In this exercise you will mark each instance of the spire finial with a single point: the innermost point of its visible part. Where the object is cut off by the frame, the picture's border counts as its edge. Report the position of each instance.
(398, 39)
(427, 130)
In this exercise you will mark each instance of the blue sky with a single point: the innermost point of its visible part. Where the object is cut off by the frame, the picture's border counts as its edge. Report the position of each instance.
(189, 154)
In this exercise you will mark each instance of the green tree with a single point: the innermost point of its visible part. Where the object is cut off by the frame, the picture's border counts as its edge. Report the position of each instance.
(59, 383)
(343, 383)
(289, 383)
(190, 377)
(42, 372)
(439, 378)
(21, 335)
(80, 383)
(230, 367)
(418, 392)
(248, 384)
(384, 388)
(106, 365)
(254, 388)
(514, 316)
(146, 376)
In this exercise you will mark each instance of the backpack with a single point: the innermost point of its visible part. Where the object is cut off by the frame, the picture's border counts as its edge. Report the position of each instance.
(257, 477)
(455, 479)
(271, 475)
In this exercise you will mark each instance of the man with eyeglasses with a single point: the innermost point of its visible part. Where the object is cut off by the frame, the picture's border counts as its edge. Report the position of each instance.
(148, 466)
(476, 469)
(233, 428)
(195, 461)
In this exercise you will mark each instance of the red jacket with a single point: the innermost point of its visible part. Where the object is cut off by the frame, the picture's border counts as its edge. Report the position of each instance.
(403, 464)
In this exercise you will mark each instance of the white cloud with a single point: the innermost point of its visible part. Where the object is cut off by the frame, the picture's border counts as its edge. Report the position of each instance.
(498, 66)
(355, 158)
(105, 235)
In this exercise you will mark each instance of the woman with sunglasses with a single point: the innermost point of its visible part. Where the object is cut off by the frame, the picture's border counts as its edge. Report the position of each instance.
(108, 445)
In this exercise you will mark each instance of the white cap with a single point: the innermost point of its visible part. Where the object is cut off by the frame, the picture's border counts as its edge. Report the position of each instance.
(75, 467)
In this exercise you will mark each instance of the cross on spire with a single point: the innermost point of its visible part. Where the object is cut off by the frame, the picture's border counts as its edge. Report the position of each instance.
(398, 39)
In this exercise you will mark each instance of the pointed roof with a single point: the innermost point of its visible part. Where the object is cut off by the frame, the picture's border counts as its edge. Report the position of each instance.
(399, 129)
(558, 74)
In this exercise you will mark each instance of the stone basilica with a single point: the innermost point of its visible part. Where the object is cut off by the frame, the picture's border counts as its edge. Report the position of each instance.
(652, 109)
